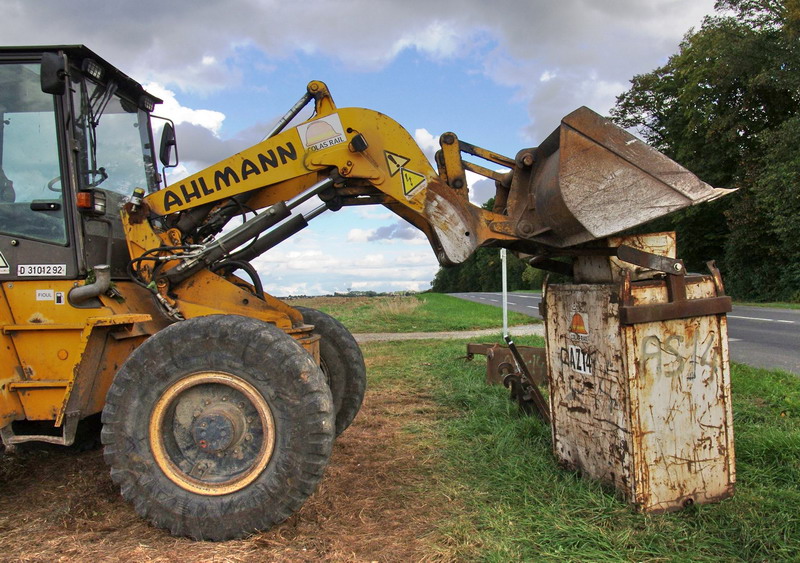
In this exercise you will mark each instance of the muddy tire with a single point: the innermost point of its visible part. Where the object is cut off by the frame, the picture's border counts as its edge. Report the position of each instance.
(342, 363)
(217, 427)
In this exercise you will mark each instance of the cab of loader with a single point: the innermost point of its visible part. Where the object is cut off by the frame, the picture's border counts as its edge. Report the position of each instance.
(75, 139)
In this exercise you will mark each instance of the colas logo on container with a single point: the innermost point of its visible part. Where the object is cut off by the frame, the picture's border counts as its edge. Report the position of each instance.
(579, 327)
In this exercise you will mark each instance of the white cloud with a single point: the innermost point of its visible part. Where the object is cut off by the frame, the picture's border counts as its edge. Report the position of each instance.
(439, 39)
(171, 108)
(387, 273)
(371, 261)
(299, 288)
(415, 258)
(428, 143)
(400, 229)
(518, 44)
(374, 214)
(393, 285)
(359, 235)
(481, 190)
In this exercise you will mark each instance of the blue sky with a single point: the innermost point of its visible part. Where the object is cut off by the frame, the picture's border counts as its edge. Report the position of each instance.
(499, 74)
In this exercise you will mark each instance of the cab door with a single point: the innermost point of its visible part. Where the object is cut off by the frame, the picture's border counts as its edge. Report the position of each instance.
(35, 219)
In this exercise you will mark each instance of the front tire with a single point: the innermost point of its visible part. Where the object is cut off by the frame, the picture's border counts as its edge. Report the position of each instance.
(217, 427)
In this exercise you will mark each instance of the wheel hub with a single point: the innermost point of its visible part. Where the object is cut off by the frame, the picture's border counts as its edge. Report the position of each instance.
(219, 429)
(212, 433)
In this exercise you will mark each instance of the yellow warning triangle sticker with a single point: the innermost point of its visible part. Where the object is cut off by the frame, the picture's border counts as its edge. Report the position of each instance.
(395, 162)
(411, 180)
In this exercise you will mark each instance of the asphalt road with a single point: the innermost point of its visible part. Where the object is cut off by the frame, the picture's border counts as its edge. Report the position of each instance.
(758, 336)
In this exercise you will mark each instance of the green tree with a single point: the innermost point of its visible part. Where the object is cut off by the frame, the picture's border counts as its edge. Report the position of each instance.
(481, 272)
(727, 106)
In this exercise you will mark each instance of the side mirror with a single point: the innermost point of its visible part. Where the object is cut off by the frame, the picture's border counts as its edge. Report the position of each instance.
(168, 143)
(53, 73)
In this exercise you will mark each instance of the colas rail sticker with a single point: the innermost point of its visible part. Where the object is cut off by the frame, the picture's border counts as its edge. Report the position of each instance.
(322, 133)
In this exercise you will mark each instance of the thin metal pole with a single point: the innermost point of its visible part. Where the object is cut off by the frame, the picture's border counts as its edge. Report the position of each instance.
(505, 292)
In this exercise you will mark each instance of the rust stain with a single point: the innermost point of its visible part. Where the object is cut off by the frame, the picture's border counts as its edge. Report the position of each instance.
(39, 319)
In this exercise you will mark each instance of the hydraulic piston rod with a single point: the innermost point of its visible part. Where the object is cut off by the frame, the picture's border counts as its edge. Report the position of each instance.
(226, 244)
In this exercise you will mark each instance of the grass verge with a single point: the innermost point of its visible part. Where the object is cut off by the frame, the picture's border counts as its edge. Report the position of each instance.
(515, 503)
(780, 305)
(429, 312)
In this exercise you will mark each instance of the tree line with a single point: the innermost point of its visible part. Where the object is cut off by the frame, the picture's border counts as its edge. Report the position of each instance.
(727, 107)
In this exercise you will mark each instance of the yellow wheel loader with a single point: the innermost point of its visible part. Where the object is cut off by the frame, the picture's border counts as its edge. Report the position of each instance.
(128, 297)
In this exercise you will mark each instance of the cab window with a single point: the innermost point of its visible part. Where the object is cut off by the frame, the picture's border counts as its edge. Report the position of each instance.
(31, 200)
(116, 137)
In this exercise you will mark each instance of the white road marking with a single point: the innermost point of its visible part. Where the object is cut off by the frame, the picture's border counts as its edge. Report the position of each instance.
(761, 319)
(734, 339)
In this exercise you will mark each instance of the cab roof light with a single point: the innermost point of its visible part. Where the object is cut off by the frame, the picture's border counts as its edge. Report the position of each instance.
(92, 68)
(147, 103)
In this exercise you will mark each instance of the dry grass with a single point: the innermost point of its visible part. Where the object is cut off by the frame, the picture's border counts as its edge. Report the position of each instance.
(374, 503)
(382, 305)
(393, 306)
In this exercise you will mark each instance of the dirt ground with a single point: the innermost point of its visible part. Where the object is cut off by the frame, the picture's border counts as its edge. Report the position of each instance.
(372, 505)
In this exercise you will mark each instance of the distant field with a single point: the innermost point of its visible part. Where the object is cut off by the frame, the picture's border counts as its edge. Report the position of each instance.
(428, 312)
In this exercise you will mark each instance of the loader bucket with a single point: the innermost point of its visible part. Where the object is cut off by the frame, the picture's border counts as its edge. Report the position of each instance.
(593, 179)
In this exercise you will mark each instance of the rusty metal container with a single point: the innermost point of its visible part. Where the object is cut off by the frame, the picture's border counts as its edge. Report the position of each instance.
(640, 403)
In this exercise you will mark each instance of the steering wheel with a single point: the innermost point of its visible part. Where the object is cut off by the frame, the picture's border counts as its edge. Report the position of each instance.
(99, 172)
(52, 183)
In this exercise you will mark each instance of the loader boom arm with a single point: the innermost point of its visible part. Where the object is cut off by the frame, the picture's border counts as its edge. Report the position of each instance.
(371, 160)
(588, 180)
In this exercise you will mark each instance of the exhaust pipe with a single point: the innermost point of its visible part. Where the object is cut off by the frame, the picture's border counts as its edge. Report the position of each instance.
(80, 296)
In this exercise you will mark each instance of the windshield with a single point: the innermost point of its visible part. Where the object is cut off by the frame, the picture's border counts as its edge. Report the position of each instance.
(30, 194)
(118, 155)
